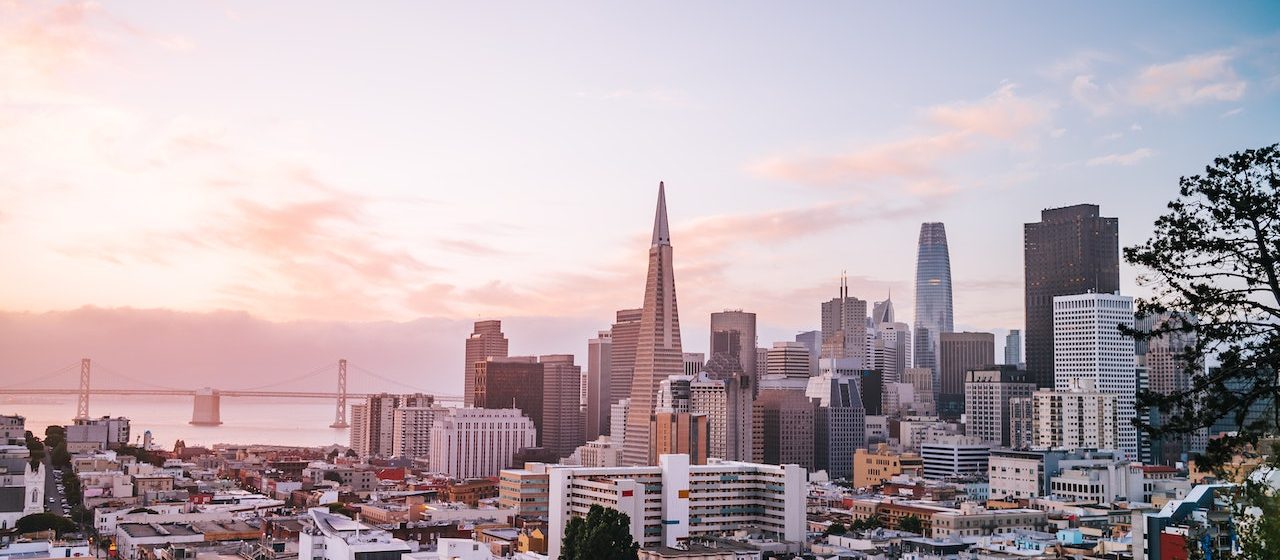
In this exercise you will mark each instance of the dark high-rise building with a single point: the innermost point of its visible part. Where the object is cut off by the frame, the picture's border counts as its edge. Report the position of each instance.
(1071, 250)
(514, 382)
(933, 297)
(486, 341)
(787, 425)
(840, 425)
(733, 333)
(958, 353)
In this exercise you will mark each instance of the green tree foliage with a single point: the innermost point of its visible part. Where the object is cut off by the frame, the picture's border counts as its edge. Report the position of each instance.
(1215, 257)
(74, 492)
(836, 529)
(865, 524)
(44, 522)
(604, 534)
(911, 524)
(60, 456)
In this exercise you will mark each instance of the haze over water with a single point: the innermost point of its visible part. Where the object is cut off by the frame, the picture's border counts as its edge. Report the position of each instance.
(294, 422)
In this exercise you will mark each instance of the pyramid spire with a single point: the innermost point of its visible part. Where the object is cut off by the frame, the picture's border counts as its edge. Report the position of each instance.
(661, 233)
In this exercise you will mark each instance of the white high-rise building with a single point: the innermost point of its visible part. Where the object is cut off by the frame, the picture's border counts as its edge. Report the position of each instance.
(479, 442)
(673, 501)
(727, 403)
(411, 430)
(1088, 346)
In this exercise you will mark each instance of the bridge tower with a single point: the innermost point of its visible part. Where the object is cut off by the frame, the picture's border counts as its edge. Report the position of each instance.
(340, 416)
(82, 405)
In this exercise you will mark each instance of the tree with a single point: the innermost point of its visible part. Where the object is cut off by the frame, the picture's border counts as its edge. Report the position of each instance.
(44, 522)
(868, 523)
(837, 529)
(60, 456)
(1214, 259)
(911, 524)
(605, 534)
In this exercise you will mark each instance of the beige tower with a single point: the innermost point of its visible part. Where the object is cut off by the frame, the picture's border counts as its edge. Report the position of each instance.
(658, 353)
(486, 341)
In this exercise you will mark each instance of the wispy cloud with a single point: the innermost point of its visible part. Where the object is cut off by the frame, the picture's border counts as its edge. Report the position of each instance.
(916, 162)
(1129, 158)
(1194, 80)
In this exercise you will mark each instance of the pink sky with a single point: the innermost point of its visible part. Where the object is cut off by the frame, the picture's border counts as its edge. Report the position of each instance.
(423, 166)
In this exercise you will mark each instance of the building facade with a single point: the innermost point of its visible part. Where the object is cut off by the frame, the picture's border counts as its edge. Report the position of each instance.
(933, 297)
(959, 352)
(486, 341)
(599, 384)
(1071, 250)
(1088, 346)
(479, 442)
(988, 393)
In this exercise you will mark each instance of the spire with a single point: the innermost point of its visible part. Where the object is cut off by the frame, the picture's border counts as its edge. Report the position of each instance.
(661, 233)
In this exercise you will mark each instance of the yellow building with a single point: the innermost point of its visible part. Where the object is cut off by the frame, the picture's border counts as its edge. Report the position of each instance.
(874, 467)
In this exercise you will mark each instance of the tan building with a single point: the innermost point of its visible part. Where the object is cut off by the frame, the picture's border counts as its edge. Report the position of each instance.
(680, 432)
(871, 468)
(486, 341)
(562, 429)
(525, 490)
(941, 522)
(144, 484)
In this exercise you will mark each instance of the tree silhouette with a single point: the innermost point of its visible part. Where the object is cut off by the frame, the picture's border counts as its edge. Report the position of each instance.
(605, 534)
(911, 524)
(1214, 258)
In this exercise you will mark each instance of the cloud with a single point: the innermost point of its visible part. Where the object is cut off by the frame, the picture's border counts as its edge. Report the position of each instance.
(916, 162)
(1094, 98)
(1194, 80)
(1082, 62)
(471, 247)
(1233, 112)
(1130, 158)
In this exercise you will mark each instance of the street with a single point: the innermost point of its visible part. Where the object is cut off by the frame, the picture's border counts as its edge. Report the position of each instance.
(53, 497)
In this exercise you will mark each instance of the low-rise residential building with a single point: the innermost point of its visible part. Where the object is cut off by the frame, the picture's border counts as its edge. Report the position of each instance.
(525, 490)
(329, 536)
(872, 467)
(941, 521)
(674, 501)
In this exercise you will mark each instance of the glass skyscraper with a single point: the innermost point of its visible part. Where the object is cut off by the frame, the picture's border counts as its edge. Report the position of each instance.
(933, 296)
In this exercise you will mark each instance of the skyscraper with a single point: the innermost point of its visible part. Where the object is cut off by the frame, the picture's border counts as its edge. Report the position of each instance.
(1070, 251)
(562, 428)
(658, 351)
(844, 326)
(987, 395)
(933, 297)
(486, 341)
(790, 359)
(958, 353)
(624, 333)
(733, 332)
(599, 382)
(1013, 347)
(1088, 346)
(513, 382)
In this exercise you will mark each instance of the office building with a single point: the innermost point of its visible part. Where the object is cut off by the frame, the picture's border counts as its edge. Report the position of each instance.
(624, 333)
(873, 467)
(954, 456)
(921, 380)
(479, 442)
(987, 396)
(526, 490)
(844, 326)
(840, 422)
(733, 333)
(1071, 250)
(787, 421)
(562, 419)
(680, 432)
(373, 422)
(693, 362)
(1080, 417)
(813, 341)
(1162, 358)
(724, 394)
(411, 430)
(1013, 348)
(958, 353)
(512, 382)
(790, 359)
(599, 384)
(1088, 345)
(658, 350)
(486, 341)
(933, 298)
(893, 356)
(675, 500)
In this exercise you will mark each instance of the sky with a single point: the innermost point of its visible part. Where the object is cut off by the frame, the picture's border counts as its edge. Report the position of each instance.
(414, 166)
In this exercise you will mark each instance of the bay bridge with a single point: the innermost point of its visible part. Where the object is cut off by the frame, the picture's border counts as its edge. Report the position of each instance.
(206, 401)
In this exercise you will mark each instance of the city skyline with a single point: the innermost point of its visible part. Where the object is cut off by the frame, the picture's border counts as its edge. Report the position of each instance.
(192, 212)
